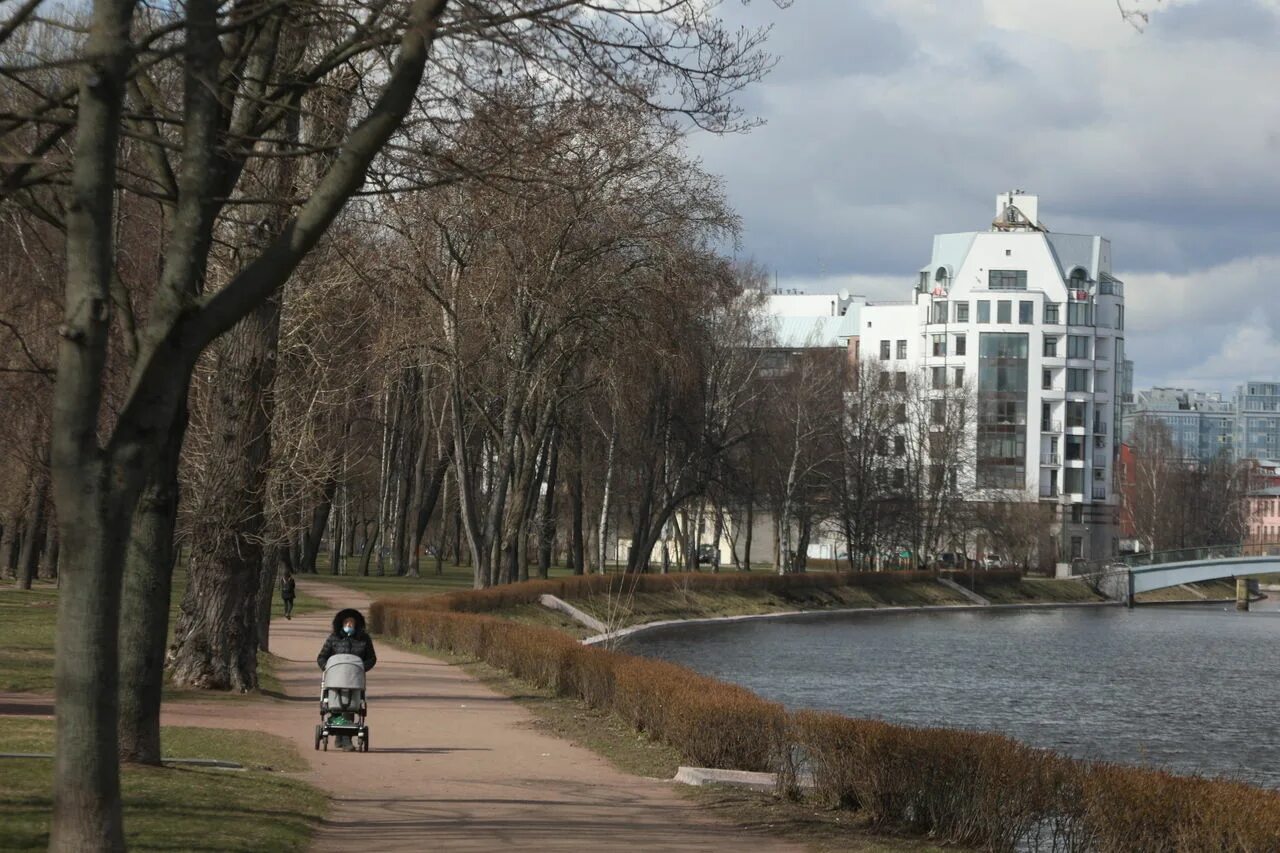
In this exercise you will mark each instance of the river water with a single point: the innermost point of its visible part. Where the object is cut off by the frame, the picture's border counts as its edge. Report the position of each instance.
(1192, 688)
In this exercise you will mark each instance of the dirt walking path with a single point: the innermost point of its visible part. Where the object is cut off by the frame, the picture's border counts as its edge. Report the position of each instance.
(456, 766)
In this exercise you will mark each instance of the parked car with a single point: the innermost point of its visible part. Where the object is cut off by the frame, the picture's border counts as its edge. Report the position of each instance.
(706, 554)
(993, 561)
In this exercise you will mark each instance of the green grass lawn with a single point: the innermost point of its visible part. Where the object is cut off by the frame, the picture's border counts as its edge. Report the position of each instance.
(174, 808)
(29, 617)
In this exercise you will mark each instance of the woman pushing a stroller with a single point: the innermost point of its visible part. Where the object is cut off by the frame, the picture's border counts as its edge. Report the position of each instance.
(349, 637)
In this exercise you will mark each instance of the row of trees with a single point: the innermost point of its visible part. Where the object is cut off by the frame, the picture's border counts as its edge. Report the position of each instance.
(1172, 502)
(258, 241)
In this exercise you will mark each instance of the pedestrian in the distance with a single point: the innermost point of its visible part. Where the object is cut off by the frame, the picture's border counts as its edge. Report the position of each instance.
(288, 591)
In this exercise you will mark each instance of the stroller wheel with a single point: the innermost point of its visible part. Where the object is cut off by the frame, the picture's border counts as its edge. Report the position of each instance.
(325, 742)
(319, 730)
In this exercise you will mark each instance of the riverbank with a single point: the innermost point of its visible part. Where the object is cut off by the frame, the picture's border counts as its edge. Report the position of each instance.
(948, 785)
(620, 605)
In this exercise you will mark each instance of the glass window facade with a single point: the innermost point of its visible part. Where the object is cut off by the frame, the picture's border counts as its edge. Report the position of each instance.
(1002, 411)
(1007, 279)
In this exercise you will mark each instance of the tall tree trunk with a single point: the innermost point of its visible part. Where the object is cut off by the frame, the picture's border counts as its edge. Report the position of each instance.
(34, 535)
(11, 544)
(51, 548)
(215, 643)
(144, 608)
(266, 593)
(370, 542)
(315, 531)
(547, 520)
(717, 535)
(746, 543)
(86, 774)
(577, 542)
(605, 500)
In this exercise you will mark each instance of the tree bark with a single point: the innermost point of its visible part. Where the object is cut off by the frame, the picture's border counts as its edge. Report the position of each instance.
(144, 610)
(216, 637)
(547, 527)
(266, 592)
(315, 531)
(577, 542)
(34, 535)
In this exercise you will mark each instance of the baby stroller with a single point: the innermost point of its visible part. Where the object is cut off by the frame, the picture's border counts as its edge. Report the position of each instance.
(342, 704)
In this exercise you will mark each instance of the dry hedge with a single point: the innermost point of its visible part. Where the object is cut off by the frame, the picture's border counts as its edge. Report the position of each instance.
(971, 788)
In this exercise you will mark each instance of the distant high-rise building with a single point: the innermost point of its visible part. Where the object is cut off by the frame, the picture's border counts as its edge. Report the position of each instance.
(1257, 420)
(1034, 321)
(1201, 424)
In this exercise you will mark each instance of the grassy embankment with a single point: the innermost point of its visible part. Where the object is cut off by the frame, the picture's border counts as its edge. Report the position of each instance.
(174, 808)
(29, 617)
(170, 808)
(620, 607)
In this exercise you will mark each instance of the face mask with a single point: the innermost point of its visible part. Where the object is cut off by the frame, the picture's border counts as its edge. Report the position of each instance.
(348, 630)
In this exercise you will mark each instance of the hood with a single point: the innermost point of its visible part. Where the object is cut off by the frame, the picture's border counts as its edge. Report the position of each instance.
(345, 614)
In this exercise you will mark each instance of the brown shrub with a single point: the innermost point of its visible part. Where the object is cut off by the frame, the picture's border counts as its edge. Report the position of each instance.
(970, 788)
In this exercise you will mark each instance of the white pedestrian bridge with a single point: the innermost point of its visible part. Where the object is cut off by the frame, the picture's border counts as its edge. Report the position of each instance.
(1140, 573)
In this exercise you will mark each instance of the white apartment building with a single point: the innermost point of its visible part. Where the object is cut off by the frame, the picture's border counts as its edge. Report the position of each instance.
(1033, 322)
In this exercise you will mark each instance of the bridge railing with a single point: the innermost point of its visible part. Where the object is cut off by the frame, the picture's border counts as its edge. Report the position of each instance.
(1208, 552)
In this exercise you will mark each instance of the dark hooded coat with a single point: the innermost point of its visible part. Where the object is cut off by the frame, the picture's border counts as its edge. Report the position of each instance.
(359, 643)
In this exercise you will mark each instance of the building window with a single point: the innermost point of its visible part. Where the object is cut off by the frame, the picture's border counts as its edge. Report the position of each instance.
(899, 478)
(1101, 349)
(1051, 346)
(899, 445)
(884, 381)
(1077, 346)
(1051, 316)
(1077, 514)
(1077, 379)
(902, 349)
(1077, 548)
(1076, 413)
(1119, 316)
(1046, 380)
(939, 378)
(939, 344)
(962, 312)
(900, 381)
(884, 350)
(960, 345)
(1007, 280)
(1073, 481)
(1004, 311)
(1079, 314)
(882, 445)
(984, 311)
(1075, 448)
(959, 377)
(938, 412)
(1026, 313)
(939, 311)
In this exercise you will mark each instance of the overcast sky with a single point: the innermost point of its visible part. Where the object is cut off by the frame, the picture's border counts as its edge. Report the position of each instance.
(890, 120)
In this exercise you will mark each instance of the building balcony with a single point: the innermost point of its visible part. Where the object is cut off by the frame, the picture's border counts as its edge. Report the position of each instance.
(1099, 428)
(1050, 460)
(1048, 493)
(1051, 426)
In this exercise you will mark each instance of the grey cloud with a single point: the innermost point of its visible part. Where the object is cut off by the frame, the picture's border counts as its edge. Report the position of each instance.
(892, 120)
